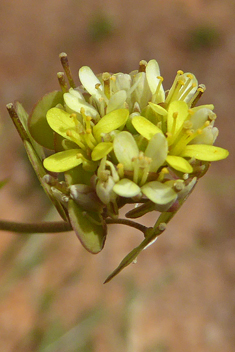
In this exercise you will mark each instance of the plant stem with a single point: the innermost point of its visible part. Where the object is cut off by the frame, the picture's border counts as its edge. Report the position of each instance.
(127, 222)
(58, 226)
(41, 227)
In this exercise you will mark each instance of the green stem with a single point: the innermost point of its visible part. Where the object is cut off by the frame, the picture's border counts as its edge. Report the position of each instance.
(127, 222)
(58, 226)
(41, 227)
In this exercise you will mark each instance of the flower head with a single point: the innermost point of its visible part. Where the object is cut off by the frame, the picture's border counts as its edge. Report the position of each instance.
(122, 139)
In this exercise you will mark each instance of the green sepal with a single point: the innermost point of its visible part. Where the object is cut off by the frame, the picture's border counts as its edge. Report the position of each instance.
(89, 227)
(23, 116)
(37, 123)
(40, 172)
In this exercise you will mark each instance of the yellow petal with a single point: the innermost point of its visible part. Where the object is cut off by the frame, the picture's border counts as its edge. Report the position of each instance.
(60, 121)
(158, 109)
(177, 114)
(101, 150)
(205, 152)
(179, 163)
(110, 122)
(63, 161)
(146, 128)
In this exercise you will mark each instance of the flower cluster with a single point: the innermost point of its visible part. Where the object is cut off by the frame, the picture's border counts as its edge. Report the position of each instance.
(133, 136)
(122, 139)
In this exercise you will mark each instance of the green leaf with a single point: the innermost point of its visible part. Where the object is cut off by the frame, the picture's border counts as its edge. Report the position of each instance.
(63, 161)
(146, 128)
(38, 125)
(88, 226)
(110, 122)
(179, 163)
(205, 152)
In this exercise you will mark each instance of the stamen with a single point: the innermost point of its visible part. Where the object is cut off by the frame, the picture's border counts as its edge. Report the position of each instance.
(75, 137)
(172, 89)
(120, 169)
(158, 88)
(136, 170)
(79, 156)
(164, 171)
(176, 93)
(106, 79)
(193, 101)
(187, 91)
(145, 173)
(102, 93)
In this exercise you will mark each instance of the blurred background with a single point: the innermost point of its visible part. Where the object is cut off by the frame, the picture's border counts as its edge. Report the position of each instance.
(180, 296)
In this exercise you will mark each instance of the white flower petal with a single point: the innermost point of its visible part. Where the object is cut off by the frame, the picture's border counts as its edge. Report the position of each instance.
(157, 150)
(116, 101)
(75, 104)
(200, 117)
(125, 149)
(152, 74)
(159, 193)
(126, 188)
(90, 81)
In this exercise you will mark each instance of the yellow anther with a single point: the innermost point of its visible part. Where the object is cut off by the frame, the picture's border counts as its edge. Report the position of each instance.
(82, 111)
(190, 111)
(181, 82)
(88, 131)
(200, 90)
(113, 78)
(120, 166)
(69, 133)
(180, 72)
(73, 115)
(189, 132)
(160, 78)
(199, 131)
(207, 123)
(189, 75)
(165, 170)
(79, 156)
(168, 134)
(187, 125)
(97, 86)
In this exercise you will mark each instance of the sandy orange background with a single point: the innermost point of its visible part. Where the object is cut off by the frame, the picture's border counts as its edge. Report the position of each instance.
(180, 296)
